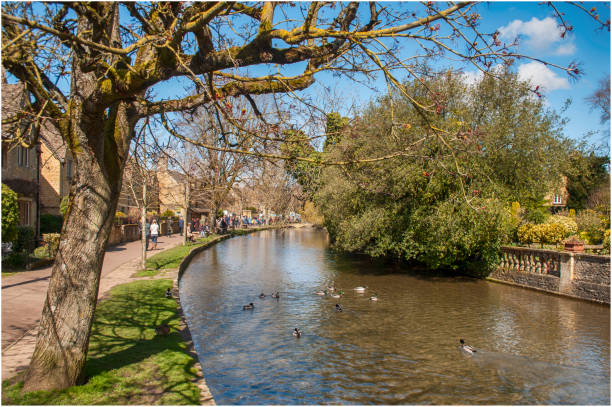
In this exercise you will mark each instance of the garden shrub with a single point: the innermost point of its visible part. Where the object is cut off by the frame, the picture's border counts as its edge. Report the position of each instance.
(550, 233)
(52, 241)
(10, 214)
(591, 226)
(25, 241)
(567, 222)
(50, 223)
(64, 205)
(167, 214)
(606, 242)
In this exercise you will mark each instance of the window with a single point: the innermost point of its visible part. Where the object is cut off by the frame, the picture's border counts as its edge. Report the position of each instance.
(25, 208)
(69, 169)
(23, 156)
(557, 200)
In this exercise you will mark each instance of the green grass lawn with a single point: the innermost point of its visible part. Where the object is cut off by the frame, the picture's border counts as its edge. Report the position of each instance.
(127, 362)
(171, 258)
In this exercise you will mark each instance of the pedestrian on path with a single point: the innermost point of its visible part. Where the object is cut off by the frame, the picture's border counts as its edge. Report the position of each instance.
(154, 234)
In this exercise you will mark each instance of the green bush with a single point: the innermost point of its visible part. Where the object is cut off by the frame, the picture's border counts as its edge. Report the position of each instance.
(14, 260)
(25, 241)
(536, 215)
(167, 214)
(50, 223)
(568, 223)
(606, 242)
(550, 233)
(52, 241)
(10, 214)
(591, 226)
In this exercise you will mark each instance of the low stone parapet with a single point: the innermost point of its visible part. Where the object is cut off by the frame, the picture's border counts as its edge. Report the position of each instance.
(578, 275)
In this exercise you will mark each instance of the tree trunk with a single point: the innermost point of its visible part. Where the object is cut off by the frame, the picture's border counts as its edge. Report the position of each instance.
(99, 153)
(143, 222)
(187, 219)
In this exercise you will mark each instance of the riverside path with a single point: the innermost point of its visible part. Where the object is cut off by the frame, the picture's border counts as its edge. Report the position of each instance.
(23, 295)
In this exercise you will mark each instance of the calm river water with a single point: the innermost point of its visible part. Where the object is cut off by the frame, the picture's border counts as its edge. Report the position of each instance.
(532, 348)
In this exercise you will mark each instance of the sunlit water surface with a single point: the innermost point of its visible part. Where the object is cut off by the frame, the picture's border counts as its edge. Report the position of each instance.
(532, 348)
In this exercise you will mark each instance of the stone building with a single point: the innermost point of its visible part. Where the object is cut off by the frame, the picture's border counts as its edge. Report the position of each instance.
(19, 162)
(172, 194)
(56, 169)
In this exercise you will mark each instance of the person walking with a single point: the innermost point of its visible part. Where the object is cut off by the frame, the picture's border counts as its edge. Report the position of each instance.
(181, 223)
(154, 234)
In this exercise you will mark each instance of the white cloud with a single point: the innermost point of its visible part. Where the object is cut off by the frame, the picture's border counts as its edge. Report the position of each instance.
(539, 35)
(539, 75)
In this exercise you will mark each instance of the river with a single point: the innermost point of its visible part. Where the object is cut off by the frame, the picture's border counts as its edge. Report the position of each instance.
(532, 348)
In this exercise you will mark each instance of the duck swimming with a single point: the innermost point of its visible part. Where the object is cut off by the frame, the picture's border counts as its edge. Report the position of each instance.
(262, 295)
(359, 289)
(338, 308)
(340, 293)
(466, 348)
(297, 333)
(247, 307)
(275, 295)
(374, 297)
(321, 292)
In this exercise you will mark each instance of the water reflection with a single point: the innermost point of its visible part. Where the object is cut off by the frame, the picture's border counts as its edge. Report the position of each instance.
(533, 348)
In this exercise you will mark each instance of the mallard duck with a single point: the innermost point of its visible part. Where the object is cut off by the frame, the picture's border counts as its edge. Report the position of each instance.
(249, 306)
(321, 292)
(338, 295)
(338, 308)
(168, 293)
(275, 295)
(374, 297)
(465, 347)
(163, 329)
(262, 295)
(359, 289)
(297, 333)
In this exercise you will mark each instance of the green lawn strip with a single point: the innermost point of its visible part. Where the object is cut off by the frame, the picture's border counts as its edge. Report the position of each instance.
(127, 362)
(171, 258)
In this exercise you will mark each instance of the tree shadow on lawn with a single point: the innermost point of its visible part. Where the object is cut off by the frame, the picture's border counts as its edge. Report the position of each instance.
(123, 334)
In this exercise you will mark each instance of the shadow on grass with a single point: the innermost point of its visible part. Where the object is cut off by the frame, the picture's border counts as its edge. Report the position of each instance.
(128, 363)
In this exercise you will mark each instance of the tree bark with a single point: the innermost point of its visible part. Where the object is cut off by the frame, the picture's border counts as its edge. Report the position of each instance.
(99, 156)
(143, 222)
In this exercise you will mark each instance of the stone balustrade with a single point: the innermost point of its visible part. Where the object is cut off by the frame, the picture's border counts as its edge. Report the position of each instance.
(575, 275)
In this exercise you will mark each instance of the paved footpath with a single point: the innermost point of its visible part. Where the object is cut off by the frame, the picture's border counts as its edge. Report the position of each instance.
(23, 295)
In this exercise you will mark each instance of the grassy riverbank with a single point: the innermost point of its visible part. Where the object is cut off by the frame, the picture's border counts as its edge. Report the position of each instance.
(127, 362)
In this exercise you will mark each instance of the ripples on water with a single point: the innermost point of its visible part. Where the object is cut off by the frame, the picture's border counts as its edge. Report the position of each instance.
(533, 348)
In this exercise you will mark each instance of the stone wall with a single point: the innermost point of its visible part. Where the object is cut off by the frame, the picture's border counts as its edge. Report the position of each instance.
(581, 276)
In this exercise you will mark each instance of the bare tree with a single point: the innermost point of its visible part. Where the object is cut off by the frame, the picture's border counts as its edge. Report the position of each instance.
(89, 68)
(601, 99)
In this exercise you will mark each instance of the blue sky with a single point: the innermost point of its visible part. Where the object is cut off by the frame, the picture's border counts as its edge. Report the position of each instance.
(539, 36)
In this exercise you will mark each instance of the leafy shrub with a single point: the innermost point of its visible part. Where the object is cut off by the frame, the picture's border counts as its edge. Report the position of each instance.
(536, 215)
(568, 223)
(591, 226)
(50, 223)
(14, 259)
(25, 239)
(551, 233)
(606, 242)
(52, 241)
(41, 252)
(572, 213)
(10, 214)
(167, 214)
